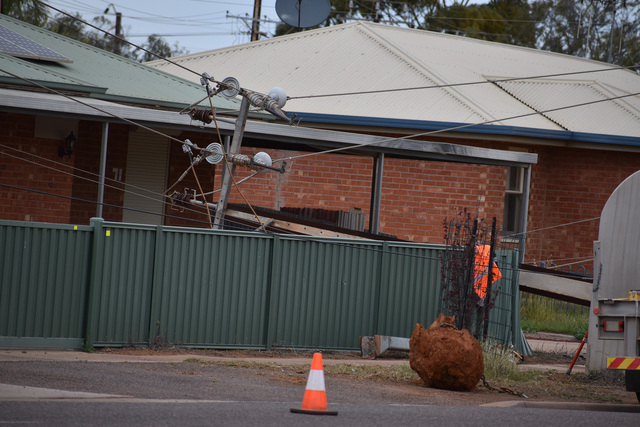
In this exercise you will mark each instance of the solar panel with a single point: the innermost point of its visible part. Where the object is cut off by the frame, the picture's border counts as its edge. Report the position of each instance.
(21, 47)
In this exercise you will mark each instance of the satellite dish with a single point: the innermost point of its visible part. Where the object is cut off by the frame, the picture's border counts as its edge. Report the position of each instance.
(279, 95)
(233, 91)
(215, 158)
(303, 13)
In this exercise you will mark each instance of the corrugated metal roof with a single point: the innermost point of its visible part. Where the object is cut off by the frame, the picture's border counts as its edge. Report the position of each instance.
(102, 74)
(598, 113)
(363, 56)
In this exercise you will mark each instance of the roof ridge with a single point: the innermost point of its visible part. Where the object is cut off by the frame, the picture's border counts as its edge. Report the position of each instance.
(430, 74)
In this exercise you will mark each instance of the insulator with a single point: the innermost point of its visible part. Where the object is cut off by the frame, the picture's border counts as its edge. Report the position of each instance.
(240, 160)
(181, 200)
(204, 116)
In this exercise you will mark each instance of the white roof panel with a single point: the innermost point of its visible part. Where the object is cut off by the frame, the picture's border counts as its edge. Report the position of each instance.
(456, 75)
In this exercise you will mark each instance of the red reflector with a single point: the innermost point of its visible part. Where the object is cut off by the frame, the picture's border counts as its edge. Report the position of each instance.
(621, 326)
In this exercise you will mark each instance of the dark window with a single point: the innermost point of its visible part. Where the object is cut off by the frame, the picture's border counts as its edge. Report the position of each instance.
(513, 200)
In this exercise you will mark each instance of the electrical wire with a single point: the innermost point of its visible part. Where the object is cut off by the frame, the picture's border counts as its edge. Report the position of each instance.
(345, 148)
(456, 128)
(93, 181)
(228, 220)
(121, 39)
(226, 162)
(206, 205)
(77, 199)
(612, 68)
(446, 85)
(551, 227)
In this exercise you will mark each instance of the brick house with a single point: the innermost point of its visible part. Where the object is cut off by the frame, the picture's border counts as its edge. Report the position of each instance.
(86, 133)
(580, 117)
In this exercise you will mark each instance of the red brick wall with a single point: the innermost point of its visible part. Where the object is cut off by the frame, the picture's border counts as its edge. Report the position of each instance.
(417, 196)
(88, 168)
(48, 192)
(31, 173)
(570, 185)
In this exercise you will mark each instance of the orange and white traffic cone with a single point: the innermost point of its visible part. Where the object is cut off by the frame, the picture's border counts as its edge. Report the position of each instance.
(315, 397)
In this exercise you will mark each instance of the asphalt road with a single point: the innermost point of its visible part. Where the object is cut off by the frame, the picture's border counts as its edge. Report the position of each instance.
(176, 392)
(248, 413)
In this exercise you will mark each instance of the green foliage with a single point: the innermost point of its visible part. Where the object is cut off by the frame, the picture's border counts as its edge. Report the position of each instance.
(501, 364)
(540, 314)
(604, 30)
(36, 13)
(31, 11)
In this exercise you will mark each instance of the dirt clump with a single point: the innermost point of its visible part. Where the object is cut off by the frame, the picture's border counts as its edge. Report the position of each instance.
(445, 357)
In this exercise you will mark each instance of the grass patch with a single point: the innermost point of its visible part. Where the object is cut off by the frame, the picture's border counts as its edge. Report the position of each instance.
(400, 373)
(397, 373)
(500, 364)
(540, 314)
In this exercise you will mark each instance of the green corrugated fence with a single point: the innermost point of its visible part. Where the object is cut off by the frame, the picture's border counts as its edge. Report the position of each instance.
(113, 284)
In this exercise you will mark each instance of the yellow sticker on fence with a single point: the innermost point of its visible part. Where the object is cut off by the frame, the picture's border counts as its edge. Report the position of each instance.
(108, 233)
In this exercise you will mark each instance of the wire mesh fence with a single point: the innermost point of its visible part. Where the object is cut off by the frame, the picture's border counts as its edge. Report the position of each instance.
(480, 278)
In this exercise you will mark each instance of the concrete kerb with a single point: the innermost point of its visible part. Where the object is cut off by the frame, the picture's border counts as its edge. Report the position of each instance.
(12, 392)
(15, 355)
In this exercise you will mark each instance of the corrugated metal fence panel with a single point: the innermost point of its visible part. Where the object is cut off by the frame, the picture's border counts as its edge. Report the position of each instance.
(410, 290)
(323, 292)
(212, 288)
(124, 287)
(504, 319)
(221, 289)
(43, 272)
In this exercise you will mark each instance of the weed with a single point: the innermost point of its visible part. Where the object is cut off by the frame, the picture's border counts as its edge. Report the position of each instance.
(545, 314)
(501, 364)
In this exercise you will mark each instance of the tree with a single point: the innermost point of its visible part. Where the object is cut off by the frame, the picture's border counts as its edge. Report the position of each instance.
(36, 13)
(604, 30)
(31, 11)
(156, 47)
(505, 21)
(68, 26)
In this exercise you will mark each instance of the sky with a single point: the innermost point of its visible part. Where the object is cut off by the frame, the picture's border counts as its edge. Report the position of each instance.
(196, 25)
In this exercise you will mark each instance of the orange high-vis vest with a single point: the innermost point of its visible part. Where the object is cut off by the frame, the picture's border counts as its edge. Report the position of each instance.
(481, 270)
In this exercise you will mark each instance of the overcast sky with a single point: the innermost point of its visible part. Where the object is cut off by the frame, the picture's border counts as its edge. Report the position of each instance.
(196, 25)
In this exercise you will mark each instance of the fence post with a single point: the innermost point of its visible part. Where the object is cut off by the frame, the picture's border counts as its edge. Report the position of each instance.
(95, 275)
(155, 299)
(383, 276)
(272, 293)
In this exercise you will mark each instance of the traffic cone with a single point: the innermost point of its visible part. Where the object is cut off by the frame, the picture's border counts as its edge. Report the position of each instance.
(315, 397)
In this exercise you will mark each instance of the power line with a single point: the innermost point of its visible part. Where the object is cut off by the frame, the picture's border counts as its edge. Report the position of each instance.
(446, 85)
(77, 199)
(160, 197)
(460, 127)
(119, 38)
(392, 139)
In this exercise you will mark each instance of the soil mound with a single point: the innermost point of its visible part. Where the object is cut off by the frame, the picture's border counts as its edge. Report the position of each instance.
(445, 357)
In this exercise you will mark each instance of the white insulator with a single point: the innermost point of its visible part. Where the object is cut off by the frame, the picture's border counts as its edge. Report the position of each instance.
(262, 158)
(278, 94)
(217, 153)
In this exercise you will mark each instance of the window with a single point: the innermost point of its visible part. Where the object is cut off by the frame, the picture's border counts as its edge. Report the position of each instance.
(513, 200)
